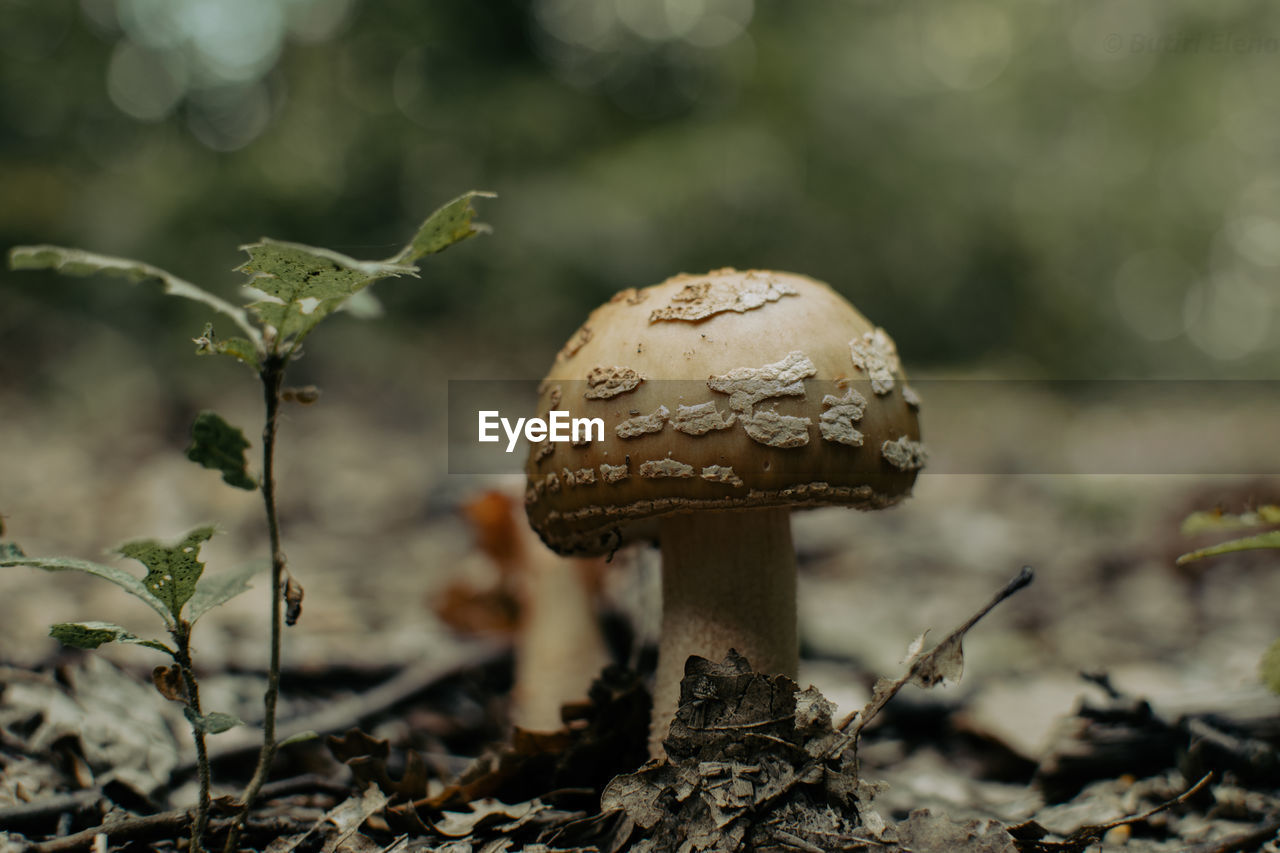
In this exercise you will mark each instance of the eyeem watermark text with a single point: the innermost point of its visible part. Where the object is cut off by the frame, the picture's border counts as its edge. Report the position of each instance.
(1210, 44)
(557, 427)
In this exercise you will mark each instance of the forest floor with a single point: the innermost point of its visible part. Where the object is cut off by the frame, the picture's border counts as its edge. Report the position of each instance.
(374, 533)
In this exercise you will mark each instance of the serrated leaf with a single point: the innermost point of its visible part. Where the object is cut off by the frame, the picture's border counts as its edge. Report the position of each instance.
(1269, 667)
(129, 583)
(220, 588)
(241, 349)
(90, 635)
(172, 571)
(293, 272)
(452, 223)
(304, 284)
(300, 285)
(81, 263)
(1248, 543)
(218, 445)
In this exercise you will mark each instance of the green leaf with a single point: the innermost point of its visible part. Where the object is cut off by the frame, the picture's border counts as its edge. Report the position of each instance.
(220, 588)
(10, 551)
(172, 571)
(218, 445)
(304, 284)
(292, 272)
(81, 263)
(241, 349)
(1248, 543)
(1269, 667)
(299, 737)
(212, 723)
(1217, 520)
(129, 583)
(90, 635)
(216, 722)
(451, 224)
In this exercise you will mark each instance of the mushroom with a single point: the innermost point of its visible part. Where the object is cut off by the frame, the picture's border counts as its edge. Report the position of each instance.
(727, 399)
(546, 602)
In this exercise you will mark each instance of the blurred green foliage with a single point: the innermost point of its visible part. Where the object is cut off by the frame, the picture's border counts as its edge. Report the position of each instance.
(1080, 189)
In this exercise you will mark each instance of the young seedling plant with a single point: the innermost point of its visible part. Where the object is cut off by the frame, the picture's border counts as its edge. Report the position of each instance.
(1218, 521)
(293, 288)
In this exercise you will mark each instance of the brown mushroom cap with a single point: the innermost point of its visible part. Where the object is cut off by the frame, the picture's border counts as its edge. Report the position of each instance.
(726, 390)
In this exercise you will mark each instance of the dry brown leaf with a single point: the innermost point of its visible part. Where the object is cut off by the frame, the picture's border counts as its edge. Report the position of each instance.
(168, 681)
(293, 593)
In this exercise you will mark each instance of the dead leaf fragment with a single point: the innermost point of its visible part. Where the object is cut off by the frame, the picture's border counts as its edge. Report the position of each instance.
(168, 682)
(923, 830)
(293, 593)
(749, 768)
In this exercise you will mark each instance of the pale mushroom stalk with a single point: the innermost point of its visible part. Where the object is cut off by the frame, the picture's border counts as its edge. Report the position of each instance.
(728, 582)
(561, 648)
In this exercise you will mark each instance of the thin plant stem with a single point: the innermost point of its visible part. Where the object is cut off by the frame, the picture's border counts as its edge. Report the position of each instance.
(182, 637)
(272, 376)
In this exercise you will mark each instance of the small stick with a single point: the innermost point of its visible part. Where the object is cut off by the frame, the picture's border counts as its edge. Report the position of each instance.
(883, 695)
(47, 808)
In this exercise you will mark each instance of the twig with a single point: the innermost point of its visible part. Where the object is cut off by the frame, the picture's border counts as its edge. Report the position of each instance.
(168, 824)
(1028, 837)
(13, 817)
(918, 664)
(1098, 830)
(128, 829)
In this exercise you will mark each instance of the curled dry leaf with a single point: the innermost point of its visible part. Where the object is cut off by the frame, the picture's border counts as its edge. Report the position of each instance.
(367, 757)
(168, 682)
(293, 593)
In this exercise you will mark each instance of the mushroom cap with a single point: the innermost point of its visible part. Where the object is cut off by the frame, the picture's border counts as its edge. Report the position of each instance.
(728, 390)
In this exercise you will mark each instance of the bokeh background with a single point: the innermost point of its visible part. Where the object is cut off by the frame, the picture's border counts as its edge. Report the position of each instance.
(1083, 189)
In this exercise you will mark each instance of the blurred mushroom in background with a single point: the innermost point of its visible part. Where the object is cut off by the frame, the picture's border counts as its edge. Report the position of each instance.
(545, 602)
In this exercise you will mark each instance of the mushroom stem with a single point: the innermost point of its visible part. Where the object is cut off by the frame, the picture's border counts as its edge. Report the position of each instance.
(728, 582)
